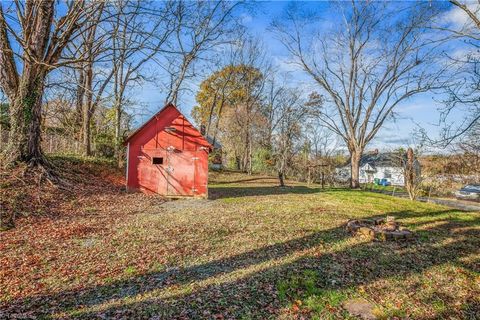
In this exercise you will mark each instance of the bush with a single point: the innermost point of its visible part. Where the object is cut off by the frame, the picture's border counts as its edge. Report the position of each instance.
(104, 150)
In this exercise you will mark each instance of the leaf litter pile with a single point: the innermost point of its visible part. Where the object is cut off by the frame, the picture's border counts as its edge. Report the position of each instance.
(254, 250)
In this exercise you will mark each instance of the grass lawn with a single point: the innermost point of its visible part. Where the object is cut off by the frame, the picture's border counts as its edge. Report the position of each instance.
(252, 251)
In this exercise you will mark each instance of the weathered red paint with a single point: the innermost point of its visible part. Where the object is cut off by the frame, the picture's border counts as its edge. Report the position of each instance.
(168, 135)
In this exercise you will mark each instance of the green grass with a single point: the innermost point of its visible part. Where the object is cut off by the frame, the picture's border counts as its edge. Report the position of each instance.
(302, 291)
(390, 188)
(255, 251)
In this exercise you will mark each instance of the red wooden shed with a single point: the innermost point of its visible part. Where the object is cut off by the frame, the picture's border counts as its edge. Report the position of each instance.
(169, 156)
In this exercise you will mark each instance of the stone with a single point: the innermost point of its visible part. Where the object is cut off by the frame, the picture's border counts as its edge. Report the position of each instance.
(379, 229)
(366, 232)
(397, 235)
(366, 222)
(352, 226)
(361, 308)
(390, 219)
(407, 234)
(390, 226)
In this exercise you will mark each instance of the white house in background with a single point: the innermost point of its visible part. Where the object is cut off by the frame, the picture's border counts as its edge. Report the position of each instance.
(374, 165)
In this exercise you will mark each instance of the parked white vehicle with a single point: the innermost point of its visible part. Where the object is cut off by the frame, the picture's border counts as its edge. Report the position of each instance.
(469, 192)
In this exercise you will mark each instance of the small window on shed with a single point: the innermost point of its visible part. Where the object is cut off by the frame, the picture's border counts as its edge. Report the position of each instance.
(157, 160)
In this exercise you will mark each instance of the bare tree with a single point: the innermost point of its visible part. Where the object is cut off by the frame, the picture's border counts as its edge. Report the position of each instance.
(463, 94)
(472, 14)
(378, 58)
(217, 92)
(412, 175)
(286, 111)
(324, 142)
(41, 36)
(133, 46)
(181, 33)
(90, 84)
(467, 153)
(252, 54)
(200, 26)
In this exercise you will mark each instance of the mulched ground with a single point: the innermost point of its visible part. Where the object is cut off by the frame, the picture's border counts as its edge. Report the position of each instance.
(253, 250)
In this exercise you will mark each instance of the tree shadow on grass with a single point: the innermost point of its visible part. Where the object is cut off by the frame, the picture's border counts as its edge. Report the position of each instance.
(255, 191)
(256, 179)
(254, 295)
(220, 192)
(258, 186)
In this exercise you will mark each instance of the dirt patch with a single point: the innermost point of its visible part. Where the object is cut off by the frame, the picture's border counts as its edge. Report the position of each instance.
(360, 308)
(188, 204)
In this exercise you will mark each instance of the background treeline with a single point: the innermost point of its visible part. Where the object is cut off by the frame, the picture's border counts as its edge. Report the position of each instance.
(71, 71)
(262, 123)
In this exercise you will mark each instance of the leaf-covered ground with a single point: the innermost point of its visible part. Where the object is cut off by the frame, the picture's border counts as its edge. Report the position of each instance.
(252, 251)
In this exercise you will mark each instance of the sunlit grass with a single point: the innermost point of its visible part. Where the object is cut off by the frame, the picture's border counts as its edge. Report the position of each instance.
(254, 251)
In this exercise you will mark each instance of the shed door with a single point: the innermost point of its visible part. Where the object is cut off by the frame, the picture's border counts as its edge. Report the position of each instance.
(180, 173)
(148, 174)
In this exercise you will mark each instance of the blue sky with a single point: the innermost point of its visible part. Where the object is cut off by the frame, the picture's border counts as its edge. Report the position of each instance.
(418, 111)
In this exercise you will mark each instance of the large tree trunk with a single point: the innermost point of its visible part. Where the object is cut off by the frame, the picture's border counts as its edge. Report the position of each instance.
(355, 156)
(25, 113)
(411, 175)
(88, 111)
(79, 118)
(118, 138)
(87, 119)
(250, 156)
(281, 173)
(280, 178)
(245, 154)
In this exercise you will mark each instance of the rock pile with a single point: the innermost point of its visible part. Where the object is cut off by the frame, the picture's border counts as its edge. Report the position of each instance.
(381, 229)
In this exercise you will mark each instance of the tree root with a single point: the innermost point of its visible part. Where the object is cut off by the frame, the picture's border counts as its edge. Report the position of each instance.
(39, 167)
(46, 171)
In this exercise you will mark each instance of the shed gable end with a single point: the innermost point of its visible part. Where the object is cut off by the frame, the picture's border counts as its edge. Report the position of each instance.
(168, 128)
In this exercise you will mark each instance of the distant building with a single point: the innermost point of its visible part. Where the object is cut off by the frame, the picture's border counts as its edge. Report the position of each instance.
(375, 165)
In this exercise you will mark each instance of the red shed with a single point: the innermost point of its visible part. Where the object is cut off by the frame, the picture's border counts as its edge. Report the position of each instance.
(168, 156)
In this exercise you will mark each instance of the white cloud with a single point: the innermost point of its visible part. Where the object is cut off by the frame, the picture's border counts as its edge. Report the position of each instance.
(462, 53)
(246, 18)
(285, 64)
(409, 108)
(457, 18)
